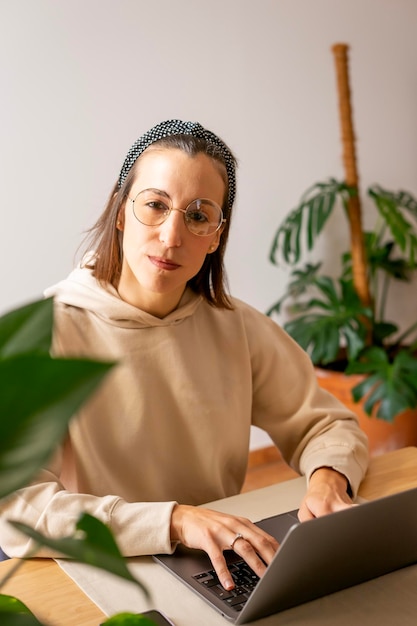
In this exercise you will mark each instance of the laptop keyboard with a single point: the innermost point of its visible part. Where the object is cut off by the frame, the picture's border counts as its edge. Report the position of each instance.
(244, 578)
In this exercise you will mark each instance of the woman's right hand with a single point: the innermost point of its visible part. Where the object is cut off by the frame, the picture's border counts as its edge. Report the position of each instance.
(215, 532)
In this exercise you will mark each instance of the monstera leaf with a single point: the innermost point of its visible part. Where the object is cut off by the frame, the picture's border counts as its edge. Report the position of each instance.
(39, 393)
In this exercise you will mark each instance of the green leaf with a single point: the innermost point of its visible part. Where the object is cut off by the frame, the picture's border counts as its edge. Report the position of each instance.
(391, 387)
(316, 335)
(19, 619)
(9, 604)
(129, 619)
(360, 390)
(14, 613)
(328, 288)
(306, 221)
(380, 258)
(98, 534)
(382, 330)
(391, 405)
(300, 280)
(391, 207)
(92, 544)
(39, 396)
(274, 308)
(354, 337)
(373, 359)
(27, 329)
(339, 319)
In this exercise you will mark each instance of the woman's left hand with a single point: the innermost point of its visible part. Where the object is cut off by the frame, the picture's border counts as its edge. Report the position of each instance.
(326, 493)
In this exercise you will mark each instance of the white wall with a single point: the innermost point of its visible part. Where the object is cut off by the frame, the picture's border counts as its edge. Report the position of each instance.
(82, 79)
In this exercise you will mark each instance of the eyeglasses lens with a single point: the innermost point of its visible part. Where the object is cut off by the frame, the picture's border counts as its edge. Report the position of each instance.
(202, 217)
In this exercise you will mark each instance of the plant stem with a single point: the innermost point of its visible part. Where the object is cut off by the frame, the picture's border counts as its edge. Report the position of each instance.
(405, 334)
(384, 296)
(359, 261)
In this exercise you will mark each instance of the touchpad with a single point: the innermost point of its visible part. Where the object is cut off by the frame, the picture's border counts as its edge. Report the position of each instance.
(279, 525)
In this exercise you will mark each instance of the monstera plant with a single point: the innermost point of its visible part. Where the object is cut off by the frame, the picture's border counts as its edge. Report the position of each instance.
(330, 320)
(39, 394)
(342, 321)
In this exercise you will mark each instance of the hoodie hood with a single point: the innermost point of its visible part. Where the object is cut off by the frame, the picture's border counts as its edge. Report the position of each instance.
(83, 291)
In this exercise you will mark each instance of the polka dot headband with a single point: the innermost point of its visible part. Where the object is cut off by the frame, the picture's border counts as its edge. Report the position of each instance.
(178, 127)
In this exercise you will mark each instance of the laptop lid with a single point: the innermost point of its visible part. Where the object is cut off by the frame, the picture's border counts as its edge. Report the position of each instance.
(317, 557)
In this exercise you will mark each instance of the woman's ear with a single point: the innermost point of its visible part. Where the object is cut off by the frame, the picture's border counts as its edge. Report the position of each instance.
(120, 222)
(215, 243)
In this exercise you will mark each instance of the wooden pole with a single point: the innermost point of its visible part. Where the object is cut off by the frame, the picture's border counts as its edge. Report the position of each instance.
(359, 261)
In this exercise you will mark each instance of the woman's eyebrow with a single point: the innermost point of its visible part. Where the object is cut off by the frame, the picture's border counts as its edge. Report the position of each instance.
(161, 191)
(154, 189)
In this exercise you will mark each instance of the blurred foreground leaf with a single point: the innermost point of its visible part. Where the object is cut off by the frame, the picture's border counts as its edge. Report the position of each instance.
(27, 329)
(128, 619)
(14, 613)
(39, 395)
(92, 544)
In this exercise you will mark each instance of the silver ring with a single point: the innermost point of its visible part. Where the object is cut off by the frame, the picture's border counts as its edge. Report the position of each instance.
(238, 536)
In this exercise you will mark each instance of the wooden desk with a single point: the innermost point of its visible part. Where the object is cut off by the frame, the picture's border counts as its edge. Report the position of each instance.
(52, 596)
(57, 600)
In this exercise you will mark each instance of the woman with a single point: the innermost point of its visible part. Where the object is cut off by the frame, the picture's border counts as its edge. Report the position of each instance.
(169, 428)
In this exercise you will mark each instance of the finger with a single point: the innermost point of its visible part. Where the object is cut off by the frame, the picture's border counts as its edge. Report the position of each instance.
(263, 544)
(244, 549)
(267, 545)
(223, 574)
(304, 514)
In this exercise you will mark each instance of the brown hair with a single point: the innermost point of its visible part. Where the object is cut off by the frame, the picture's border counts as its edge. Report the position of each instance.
(107, 241)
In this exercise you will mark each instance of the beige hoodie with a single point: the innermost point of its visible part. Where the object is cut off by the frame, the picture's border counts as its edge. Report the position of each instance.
(171, 423)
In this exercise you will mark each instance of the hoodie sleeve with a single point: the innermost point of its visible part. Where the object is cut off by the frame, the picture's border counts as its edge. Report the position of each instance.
(310, 426)
(45, 505)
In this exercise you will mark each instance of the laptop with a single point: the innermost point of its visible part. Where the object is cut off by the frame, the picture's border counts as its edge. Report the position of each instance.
(315, 558)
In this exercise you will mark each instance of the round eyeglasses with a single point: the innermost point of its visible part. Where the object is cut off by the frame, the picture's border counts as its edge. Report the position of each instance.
(202, 217)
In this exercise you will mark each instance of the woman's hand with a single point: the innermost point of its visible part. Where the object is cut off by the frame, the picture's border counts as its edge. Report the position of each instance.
(326, 493)
(215, 532)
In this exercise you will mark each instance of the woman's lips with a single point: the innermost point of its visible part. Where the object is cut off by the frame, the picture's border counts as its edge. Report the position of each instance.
(163, 264)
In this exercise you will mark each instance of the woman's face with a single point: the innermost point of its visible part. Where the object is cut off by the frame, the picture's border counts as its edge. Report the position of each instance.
(158, 261)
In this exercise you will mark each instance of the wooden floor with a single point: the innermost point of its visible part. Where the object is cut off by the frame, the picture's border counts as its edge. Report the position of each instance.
(266, 467)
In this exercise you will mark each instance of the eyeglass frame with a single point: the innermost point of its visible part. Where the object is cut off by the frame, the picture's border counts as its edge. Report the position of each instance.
(222, 219)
